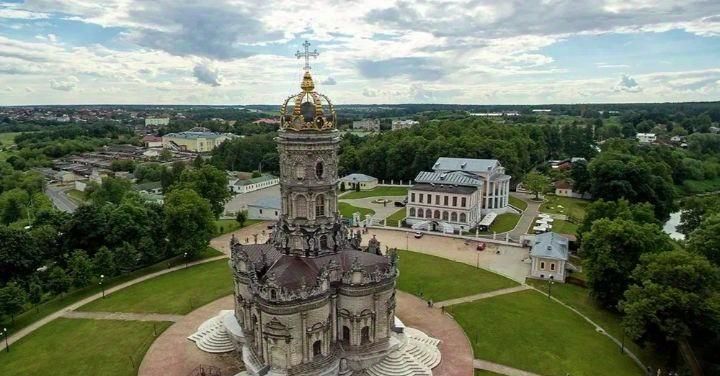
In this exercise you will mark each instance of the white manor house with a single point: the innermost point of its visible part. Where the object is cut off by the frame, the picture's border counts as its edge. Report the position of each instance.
(458, 193)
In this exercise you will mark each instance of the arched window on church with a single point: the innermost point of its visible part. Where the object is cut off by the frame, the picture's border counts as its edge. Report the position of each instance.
(428, 213)
(323, 242)
(317, 348)
(299, 171)
(301, 207)
(365, 335)
(437, 214)
(445, 216)
(319, 170)
(273, 294)
(346, 336)
(320, 206)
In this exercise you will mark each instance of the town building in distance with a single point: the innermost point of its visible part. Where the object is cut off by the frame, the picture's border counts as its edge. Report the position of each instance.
(368, 125)
(403, 124)
(357, 181)
(196, 140)
(157, 121)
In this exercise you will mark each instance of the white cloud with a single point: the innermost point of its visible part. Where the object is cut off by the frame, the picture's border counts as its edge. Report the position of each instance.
(207, 74)
(627, 84)
(328, 81)
(66, 84)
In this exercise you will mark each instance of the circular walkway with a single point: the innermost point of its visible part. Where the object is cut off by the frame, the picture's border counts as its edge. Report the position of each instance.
(173, 354)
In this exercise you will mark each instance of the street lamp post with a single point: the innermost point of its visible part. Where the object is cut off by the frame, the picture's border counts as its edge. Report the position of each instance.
(102, 286)
(7, 346)
(622, 344)
(550, 283)
(186, 259)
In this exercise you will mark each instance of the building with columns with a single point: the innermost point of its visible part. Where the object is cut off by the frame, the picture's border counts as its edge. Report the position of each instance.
(312, 300)
(496, 184)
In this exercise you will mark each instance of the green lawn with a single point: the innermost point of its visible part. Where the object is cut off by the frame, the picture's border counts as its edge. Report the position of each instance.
(224, 226)
(82, 347)
(379, 191)
(482, 372)
(564, 227)
(176, 293)
(441, 279)
(518, 203)
(53, 305)
(6, 139)
(396, 217)
(77, 196)
(573, 207)
(579, 298)
(347, 210)
(526, 330)
(504, 222)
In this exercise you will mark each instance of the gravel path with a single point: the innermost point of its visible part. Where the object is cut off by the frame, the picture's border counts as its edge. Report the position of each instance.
(485, 295)
(501, 369)
(126, 316)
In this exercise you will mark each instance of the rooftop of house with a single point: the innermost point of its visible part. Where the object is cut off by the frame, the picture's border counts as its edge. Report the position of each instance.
(465, 164)
(149, 186)
(550, 245)
(195, 135)
(258, 179)
(358, 178)
(271, 202)
(448, 178)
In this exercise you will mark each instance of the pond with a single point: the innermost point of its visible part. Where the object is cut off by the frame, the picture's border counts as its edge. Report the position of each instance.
(671, 225)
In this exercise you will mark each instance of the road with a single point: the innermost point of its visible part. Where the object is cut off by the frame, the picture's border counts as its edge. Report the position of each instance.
(60, 199)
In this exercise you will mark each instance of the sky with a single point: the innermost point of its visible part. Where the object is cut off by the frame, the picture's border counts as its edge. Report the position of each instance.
(370, 51)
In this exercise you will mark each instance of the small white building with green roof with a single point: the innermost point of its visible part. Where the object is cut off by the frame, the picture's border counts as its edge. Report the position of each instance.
(253, 184)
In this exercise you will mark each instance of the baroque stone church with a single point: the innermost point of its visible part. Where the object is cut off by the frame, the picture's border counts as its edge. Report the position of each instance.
(312, 300)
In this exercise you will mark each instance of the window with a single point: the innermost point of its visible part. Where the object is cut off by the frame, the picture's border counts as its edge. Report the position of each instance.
(323, 242)
(552, 266)
(454, 201)
(365, 335)
(301, 207)
(412, 197)
(445, 200)
(437, 199)
(412, 212)
(320, 206)
(428, 213)
(445, 216)
(260, 211)
(463, 202)
(421, 197)
(317, 348)
(419, 213)
(299, 172)
(437, 214)
(542, 265)
(453, 217)
(273, 294)
(346, 336)
(319, 170)
(463, 217)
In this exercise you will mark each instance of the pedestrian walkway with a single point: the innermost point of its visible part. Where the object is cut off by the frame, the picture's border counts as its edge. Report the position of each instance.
(528, 216)
(501, 369)
(37, 324)
(485, 295)
(125, 316)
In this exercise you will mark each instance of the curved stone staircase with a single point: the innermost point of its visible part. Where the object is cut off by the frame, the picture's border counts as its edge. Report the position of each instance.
(212, 337)
(417, 356)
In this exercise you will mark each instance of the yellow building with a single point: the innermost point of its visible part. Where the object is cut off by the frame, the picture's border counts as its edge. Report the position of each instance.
(197, 142)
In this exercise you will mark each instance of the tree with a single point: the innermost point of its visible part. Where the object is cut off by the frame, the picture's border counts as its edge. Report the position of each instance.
(111, 190)
(342, 186)
(189, 222)
(35, 293)
(210, 183)
(611, 250)
(126, 257)
(694, 211)
(674, 296)
(705, 240)
(580, 176)
(80, 268)
(241, 217)
(58, 280)
(620, 209)
(19, 256)
(12, 299)
(165, 155)
(536, 183)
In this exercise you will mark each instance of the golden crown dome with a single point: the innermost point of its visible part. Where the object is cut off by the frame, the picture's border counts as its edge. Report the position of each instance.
(311, 111)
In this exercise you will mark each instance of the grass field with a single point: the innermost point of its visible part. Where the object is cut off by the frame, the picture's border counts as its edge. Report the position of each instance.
(518, 203)
(564, 227)
(579, 298)
(691, 187)
(77, 196)
(347, 210)
(504, 222)
(224, 226)
(6, 139)
(394, 218)
(482, 372)
(572, 207)
(526, 330)
(68, 347)
(177, 293)
(379, 191)
(440, 279)
(53, 305)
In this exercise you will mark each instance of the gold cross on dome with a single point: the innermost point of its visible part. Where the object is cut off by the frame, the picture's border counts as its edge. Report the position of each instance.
(307, 54)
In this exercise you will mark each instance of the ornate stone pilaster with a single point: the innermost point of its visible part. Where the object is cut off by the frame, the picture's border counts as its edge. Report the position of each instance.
(303, 328)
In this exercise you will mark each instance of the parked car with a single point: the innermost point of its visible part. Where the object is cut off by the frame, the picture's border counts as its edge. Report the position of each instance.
(480, 246)
(399, 204)
(418, 235)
